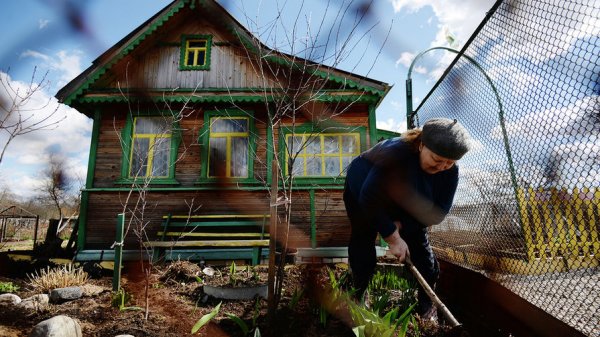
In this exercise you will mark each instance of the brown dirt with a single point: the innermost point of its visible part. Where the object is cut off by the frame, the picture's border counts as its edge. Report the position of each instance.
(176, 302)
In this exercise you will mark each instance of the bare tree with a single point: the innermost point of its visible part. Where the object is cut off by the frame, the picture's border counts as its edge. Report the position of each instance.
(20, 114)
(294, 84)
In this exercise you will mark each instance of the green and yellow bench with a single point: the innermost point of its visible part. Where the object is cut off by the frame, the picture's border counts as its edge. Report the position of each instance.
(212, 237)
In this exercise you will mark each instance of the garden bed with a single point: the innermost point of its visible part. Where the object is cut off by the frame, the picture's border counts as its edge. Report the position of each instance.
(176, 301)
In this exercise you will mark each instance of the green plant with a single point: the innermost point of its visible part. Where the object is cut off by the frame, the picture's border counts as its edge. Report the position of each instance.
(45, 280)
(380, 302)
(8, 287)
(296, 296)
(120, 299)
(389, 281)
(206, 318)
(243, 326)
(370, 324)
(232, 274)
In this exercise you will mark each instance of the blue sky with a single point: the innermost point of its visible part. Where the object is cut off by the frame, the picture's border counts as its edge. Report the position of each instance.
(45, 34)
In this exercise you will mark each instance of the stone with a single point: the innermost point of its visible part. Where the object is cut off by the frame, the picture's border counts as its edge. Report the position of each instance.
(9, 299)
(35, 303)
(125, 336)
(57, 326)
(65, 294)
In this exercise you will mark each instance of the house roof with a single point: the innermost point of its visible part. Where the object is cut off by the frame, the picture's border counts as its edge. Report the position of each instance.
(78, 86)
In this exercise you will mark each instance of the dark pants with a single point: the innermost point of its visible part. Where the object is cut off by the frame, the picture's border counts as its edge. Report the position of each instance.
(361, 249)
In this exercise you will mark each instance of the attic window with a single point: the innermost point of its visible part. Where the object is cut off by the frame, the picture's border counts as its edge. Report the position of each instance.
(195, 52)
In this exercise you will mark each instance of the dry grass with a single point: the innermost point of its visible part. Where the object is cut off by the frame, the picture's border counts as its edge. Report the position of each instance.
(60, 277)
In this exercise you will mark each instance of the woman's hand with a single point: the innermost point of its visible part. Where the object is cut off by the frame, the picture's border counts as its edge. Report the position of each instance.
(397, 246)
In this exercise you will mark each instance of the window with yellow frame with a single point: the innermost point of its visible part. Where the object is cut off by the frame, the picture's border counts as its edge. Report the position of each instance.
(228, 147)
(321, 155)
(195, 52)
(151, 147)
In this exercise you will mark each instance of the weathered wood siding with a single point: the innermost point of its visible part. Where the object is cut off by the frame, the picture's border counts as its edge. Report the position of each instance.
(155, 64)
(109, 157)
(333, 226)
(104, 207)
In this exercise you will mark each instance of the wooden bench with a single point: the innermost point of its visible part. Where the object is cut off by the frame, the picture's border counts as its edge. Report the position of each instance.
(221, 237)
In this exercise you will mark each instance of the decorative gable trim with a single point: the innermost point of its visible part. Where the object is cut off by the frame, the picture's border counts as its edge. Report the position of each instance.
(95, 75)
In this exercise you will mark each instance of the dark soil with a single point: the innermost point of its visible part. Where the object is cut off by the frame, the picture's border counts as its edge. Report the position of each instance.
(176, 302)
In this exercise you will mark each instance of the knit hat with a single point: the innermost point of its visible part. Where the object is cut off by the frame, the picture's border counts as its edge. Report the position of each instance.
(446, 137)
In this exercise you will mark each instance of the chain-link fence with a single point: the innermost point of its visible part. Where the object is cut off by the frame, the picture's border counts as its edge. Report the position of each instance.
(527, 210)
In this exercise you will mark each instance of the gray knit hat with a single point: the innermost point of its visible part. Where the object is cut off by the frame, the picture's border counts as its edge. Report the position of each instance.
(446, 137)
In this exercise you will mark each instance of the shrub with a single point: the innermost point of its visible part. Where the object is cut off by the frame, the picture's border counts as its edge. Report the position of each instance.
(8, 287)
(47, 279)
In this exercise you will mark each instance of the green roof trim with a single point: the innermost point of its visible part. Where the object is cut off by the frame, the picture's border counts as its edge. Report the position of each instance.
(368, 99)
(95, 75)
(327, 76)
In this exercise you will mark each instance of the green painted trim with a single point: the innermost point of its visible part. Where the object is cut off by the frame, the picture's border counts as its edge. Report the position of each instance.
(89, 181)
(182, 51)
(83, 211)
(210, 187)
(372, 126)
(345, 82)
(126, 141)
(330, 127)
(203, 140)
(313, 220)
(124, 52)
(270, 150)
(250, 90)
(387, 134)
(258, 98)
(118, 258)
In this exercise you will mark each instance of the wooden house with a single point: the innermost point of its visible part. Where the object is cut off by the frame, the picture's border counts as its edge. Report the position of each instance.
(189, 113)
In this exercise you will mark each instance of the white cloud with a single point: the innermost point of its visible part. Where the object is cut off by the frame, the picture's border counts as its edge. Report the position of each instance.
(456, 15)
(43, 23)
(391, 124)
(456, 18)
(27, 154)
(405, 59)
(67, 64)
(571, 120)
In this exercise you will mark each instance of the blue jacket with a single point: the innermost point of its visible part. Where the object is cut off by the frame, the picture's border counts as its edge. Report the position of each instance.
(389, 184)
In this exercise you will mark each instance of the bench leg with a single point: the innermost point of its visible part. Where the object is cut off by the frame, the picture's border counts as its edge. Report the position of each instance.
(157, 254)
(255, 256)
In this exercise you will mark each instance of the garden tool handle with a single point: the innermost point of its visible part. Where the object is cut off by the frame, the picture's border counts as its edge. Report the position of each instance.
(434, 298)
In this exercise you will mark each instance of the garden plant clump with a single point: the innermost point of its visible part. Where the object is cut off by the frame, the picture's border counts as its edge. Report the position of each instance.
(59, 277)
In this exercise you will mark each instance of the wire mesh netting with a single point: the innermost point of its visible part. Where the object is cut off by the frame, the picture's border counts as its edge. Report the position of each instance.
(527, 210)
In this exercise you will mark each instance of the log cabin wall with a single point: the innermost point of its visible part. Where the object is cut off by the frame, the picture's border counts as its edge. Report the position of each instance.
(318, 213)
(142, 73)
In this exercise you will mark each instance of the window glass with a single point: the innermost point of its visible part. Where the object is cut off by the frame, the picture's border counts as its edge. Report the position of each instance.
(151, 147)
(195, 52)
(229, 147)
(220, 124)
(322, 155)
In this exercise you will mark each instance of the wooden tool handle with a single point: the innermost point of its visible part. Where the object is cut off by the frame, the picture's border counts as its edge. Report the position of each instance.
(434, 298)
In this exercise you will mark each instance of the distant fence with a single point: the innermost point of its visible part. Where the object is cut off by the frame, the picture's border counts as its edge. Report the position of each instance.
(562, 224)
(527, 211)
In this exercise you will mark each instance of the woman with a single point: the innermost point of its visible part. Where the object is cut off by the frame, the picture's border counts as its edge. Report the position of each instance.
(397, 189)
